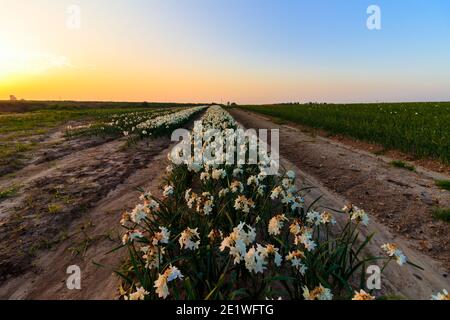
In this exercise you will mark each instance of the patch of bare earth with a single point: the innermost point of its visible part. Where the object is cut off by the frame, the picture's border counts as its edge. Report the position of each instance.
(399, 201)
(67, 212)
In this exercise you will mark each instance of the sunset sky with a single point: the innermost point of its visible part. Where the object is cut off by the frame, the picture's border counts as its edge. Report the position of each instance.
(248, 51)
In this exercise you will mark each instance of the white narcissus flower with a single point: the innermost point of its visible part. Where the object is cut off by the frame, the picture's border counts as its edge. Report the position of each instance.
(262, 175)
(244, 204)
(400, 258)
(168, 190)
(125, 238)
(125, 218)
(162, 236)
(173, 273)
(286, 183)
(218, 174)
(359, 215)
(237, 186)
(250, 260)
(444, 295)
(139, 213)
(208, 203)
(288, 198)
(276, 224)
(204, 176)
(145, 196)
(255, 259)
(190, 197)
(169, 275)
(295, 228)
(362, 295)
(153, 256)
(237, 172)
(261, 190)
(196, 167)
(319, 293)
(276, 193)
(326, 218)
(243, 149)
(392, 250)
(153, 205)
(190, 239)
(131, 236)
(215, 234)
(187, 194)
(136, 234)
(295, 257)
(297, 202)
(310, 245)
(306, 238)
(290, 174)
(223, 192)
(271, 250)
(139, 294)
(252, 180)
(313, 217)
(278, 259)
(238, 241)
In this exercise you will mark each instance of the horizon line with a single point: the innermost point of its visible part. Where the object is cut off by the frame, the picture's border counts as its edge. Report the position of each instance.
(217, 103)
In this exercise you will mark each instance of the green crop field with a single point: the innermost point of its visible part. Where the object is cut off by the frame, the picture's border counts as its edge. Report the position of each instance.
(421, 129)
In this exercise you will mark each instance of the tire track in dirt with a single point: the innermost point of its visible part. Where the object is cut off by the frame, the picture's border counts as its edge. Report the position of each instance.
(399, 202)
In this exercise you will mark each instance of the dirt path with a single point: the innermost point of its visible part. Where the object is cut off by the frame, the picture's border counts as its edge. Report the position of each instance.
(67, 212)
(93, 236)
(399, 201)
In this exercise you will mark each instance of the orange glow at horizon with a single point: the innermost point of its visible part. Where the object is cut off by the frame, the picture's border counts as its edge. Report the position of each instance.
(172, 51)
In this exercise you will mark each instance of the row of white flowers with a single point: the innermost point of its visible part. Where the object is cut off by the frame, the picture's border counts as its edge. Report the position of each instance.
(140, 123)
(127, 122)
(166, 121)
(232, 231)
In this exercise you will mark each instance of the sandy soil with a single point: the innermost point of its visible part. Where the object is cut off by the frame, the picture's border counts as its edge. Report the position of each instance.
(399, 201)
(67, 213)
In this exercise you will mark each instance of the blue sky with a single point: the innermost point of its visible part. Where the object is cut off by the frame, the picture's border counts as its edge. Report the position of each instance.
(250, 51)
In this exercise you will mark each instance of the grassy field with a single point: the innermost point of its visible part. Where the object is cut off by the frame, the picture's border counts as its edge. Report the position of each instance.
(421, 129)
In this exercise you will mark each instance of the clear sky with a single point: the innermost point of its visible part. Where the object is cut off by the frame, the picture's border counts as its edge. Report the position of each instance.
(248, 51)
